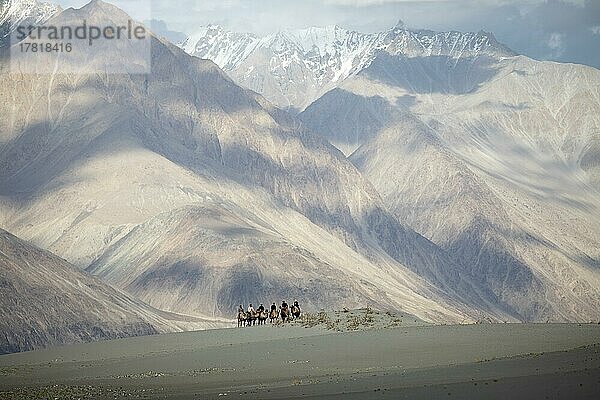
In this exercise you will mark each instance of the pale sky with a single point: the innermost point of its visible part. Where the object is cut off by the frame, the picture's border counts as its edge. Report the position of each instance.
(561, 30)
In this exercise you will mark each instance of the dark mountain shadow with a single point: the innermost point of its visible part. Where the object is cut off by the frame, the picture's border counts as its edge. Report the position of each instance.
(246, 282)
(431, 74)
(39, 154)
(500, 106)
(348, 119)
(510, 280)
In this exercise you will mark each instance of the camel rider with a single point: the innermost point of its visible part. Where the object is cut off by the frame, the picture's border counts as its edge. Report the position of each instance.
(273, 307)
(284, 305)
(250, 309)
(296, 304)
(241, 309)
(261, 308)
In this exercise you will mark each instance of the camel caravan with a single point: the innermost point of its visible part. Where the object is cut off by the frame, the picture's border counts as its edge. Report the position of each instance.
(251, 317)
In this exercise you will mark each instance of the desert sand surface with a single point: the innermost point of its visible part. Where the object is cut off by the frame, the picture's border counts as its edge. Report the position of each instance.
(354, 355)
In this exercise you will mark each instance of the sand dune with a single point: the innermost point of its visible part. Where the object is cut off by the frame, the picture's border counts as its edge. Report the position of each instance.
(411, 360)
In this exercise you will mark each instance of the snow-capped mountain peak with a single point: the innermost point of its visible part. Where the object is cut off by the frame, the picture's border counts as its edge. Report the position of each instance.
(18, 10)
(21, 12)
(413, 43)
(294, 67)
(225, 48)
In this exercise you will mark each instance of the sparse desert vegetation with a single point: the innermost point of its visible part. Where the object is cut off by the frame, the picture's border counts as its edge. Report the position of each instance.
(354, 320)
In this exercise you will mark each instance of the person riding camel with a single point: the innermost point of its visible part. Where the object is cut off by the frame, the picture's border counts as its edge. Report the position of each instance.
(296, 310)
(241, 316)
(284, 311)
(251, 316)
(274, 313)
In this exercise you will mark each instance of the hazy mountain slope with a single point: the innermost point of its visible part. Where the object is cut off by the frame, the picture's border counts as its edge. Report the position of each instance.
(491, 158)
(356, 119)
(294, 68)
(22, 12)
(109, 167)
(45, 301)
(364, 104)
(208, 252)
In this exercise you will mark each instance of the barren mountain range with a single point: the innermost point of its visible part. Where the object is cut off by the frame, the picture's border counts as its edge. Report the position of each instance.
(47, 301)
(491, 155)
(464, 185)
